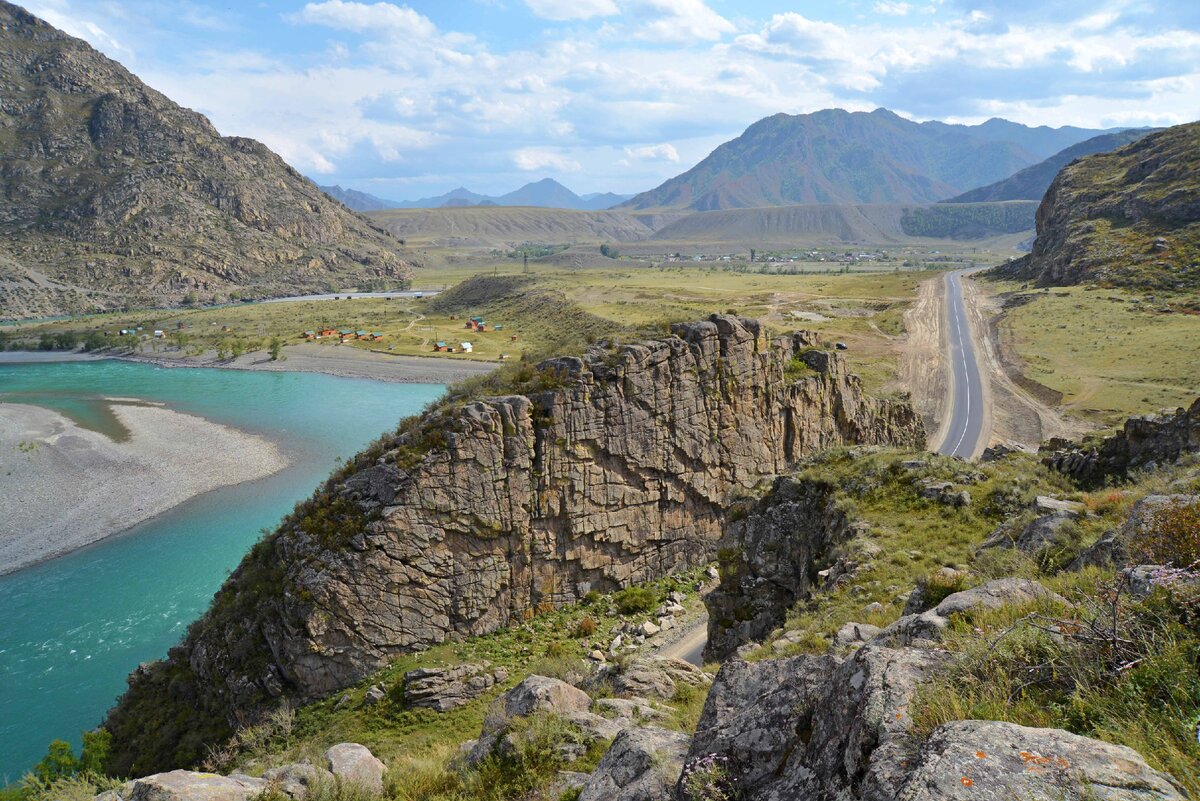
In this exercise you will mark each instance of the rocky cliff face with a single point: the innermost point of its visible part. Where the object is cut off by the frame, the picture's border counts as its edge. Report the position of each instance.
(1126, 218)
(113, 195)
(1143, 443)
(770, 559)
(609, 469)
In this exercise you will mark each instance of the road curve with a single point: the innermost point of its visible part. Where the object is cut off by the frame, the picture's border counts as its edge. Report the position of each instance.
(967, 409)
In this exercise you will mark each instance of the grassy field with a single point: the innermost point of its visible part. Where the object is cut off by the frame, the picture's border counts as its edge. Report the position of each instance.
(863, 309)
(1110, 352)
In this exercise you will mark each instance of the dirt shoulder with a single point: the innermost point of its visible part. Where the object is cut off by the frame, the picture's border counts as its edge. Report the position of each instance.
(1024, 413)
(923, 369)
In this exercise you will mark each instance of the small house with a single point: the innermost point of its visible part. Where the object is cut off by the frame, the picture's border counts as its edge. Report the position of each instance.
(309, 335)
(440, 346)
(326, 332)
(466, 347)
(159, 333)
(345, 334)
(481, 327)
(362, 334)
(374, 336)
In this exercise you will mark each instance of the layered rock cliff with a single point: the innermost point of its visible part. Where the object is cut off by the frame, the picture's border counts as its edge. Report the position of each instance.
(1126, 218)
(605, 470)
(113, 195)
(1143, 442)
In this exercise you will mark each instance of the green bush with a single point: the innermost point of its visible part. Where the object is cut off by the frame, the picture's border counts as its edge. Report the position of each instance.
(635, 600)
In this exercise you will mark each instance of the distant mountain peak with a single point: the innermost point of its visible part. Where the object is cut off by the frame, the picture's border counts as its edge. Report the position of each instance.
(838, 156)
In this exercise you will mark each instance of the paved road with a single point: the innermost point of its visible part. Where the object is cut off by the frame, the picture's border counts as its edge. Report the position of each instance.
(968, 414)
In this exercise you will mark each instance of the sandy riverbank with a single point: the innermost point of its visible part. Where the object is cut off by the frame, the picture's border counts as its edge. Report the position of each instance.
(305, 358)
(63, 487)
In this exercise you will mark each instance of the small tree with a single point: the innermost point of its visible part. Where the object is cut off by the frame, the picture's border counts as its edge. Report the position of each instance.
(275, 348)
(608, 251)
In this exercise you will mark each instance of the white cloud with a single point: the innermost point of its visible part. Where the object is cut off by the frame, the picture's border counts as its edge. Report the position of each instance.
(663, 152)
(892, 9)
(678, 21)
(366, 17)
(531, 159)
(562, 10)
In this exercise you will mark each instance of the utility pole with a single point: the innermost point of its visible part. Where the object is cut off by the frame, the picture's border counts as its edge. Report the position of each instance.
(526, 263)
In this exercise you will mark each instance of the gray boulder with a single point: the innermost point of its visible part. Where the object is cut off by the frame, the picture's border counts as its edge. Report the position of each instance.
(642, 765)
(852, 634)
(538, 694)
(977, 759)
(448, 688)
(754, 710)
(186, 785)
(928, 626)
(296, 780)
(655, 677)
(1038, 533)
(355, 764)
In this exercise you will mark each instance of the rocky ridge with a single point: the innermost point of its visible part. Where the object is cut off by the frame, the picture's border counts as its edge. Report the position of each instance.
(1126, 218)
(1143, 442)
(614, 468)
(115, 196)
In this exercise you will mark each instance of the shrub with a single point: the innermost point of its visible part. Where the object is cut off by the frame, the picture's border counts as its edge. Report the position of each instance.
(586, 627)
(941, 584)
(1172, 538)
(635, 600)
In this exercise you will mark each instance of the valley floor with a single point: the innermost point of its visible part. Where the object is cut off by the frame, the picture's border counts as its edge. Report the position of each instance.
(66, 487)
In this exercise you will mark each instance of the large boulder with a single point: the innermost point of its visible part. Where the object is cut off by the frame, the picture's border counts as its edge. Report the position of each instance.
(535, 694)
(448, 688)
(643, 764)
(754, 711)
(656, 677)
(1045, 530)
(981, 759)
(354, 764)
(298, 779)
(539, 695)
(928, 626)
(186, 785)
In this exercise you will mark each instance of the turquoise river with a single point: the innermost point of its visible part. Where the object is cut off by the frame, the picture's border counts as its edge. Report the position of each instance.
(72, 629)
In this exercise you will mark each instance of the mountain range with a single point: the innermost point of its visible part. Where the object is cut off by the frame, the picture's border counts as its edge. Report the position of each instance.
(115, 196)
(836, 156)
(546, 193)
(1031, 183)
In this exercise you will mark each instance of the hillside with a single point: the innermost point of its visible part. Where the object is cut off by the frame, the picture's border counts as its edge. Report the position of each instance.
(546, 193)
(115, 196)
(519, 494)
(1126, 218)
(834, 156)
(787, 226)
(1031, 183)
(486, 226)
(356, 200)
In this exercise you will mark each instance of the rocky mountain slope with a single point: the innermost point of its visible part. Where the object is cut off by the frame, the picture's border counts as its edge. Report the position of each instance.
(904, 653)
(1126, 218)
(544, 193)
(1031, 183)
(526, 494)
(834, 156)
(356, 200)
(114, 196)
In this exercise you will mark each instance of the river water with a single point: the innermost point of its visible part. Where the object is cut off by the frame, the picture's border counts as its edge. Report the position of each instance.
(72, 629)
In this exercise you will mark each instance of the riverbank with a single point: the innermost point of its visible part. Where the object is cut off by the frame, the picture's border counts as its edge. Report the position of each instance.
(66, 487)
(345, 362)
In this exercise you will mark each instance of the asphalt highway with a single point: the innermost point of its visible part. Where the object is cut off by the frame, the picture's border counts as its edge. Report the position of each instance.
(968, 414)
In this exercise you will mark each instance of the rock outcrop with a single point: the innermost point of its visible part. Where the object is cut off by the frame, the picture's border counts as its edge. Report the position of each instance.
(115, 196)
(615, 468)
(642, 764)
(448, 688)
(770, 560)
(1125, 546)
(1127, 218)
(1142, 443)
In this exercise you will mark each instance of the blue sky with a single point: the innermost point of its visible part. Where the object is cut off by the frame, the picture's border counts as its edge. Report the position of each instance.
(407, 99)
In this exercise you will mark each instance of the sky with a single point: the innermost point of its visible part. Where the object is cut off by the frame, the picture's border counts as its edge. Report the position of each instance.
(412, 98)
